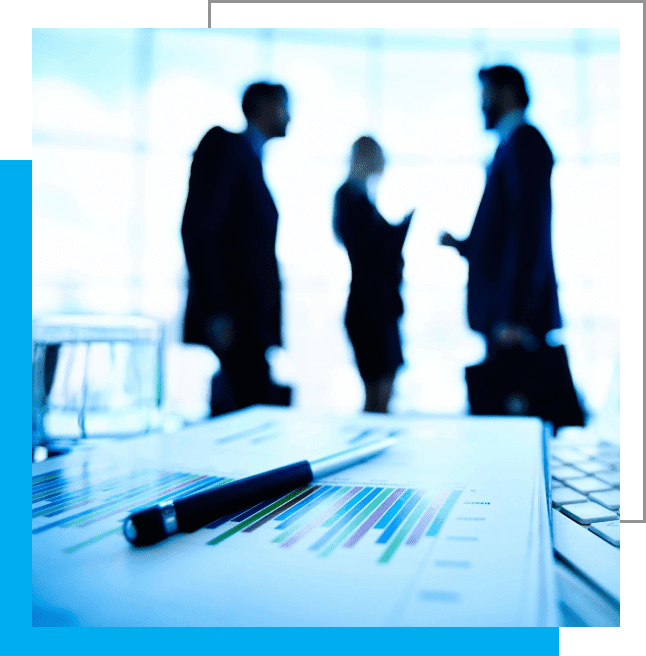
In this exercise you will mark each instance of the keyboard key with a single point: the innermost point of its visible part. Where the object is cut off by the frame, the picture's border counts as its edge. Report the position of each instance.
(609, 531)
(612, 462)
(565, 473)
(611, 478)
(609, 500)
(587, 485)
(566, 495)
(592, 467)
(587, 513)
(607, 452)
(596, 559)
(568, 455)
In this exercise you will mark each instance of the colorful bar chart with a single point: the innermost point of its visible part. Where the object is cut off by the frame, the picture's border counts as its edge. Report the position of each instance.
(318, 518)
(61, 500)
(324, 517)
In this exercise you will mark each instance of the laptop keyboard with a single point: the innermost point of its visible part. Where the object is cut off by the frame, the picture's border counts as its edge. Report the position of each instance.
(585, 487)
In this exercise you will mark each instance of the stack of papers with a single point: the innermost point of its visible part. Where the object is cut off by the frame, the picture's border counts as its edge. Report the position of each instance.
(448, 527)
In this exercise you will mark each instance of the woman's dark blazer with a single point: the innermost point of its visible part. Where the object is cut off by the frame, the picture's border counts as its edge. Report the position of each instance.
(374, 248)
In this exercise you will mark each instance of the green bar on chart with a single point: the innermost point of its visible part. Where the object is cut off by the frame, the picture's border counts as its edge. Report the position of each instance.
(404, 531)
(254, 518)
(354, 523)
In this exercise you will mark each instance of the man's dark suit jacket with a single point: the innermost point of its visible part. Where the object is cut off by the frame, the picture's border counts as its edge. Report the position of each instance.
(509, 250)
(229, 235)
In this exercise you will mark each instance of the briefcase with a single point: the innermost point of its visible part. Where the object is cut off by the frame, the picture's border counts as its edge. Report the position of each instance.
(516, 381)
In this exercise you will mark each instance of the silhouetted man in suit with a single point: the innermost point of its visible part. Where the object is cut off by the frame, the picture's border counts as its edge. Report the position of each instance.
(229, 236)
(511, 291)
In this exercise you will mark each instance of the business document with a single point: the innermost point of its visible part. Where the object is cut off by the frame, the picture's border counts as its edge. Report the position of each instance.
(446, 528)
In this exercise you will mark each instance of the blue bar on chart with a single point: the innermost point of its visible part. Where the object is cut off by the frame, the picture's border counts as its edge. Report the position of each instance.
(444, 513)
(127, 492)
(198, 485)
(385, 520)
(56, 480)
(427, 517)
(346, 518)
(374, 517)
(262, 517)
(194, 484)
(222, 520)
(69, 489)
(130, 495)
(287, 539)
(344, 509)
(240, 517)
(318, 490)
(328, 492)
(400, 517)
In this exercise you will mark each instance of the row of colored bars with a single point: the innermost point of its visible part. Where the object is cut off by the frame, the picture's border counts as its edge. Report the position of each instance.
(111, 497)
(402, 516)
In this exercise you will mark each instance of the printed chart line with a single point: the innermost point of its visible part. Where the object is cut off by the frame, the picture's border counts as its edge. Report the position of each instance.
(331, 515)
(398, 516)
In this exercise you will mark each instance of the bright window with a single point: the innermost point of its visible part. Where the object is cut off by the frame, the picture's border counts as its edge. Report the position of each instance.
(117, 114)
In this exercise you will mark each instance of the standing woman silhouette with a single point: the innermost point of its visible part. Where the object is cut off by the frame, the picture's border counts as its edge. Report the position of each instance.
(374, 248)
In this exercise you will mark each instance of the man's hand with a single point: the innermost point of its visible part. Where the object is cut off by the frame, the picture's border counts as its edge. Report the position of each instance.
(447, 239)
(221, 331)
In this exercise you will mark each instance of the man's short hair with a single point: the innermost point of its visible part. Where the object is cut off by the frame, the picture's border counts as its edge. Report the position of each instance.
(504, 76)
(257, 94)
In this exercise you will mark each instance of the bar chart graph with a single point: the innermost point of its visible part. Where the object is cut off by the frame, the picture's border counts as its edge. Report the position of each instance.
(317, 518)
(323, 518)
(79, 500)
(441, 529)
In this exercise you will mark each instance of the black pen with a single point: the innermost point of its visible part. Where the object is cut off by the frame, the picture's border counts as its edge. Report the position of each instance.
(187, 514)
